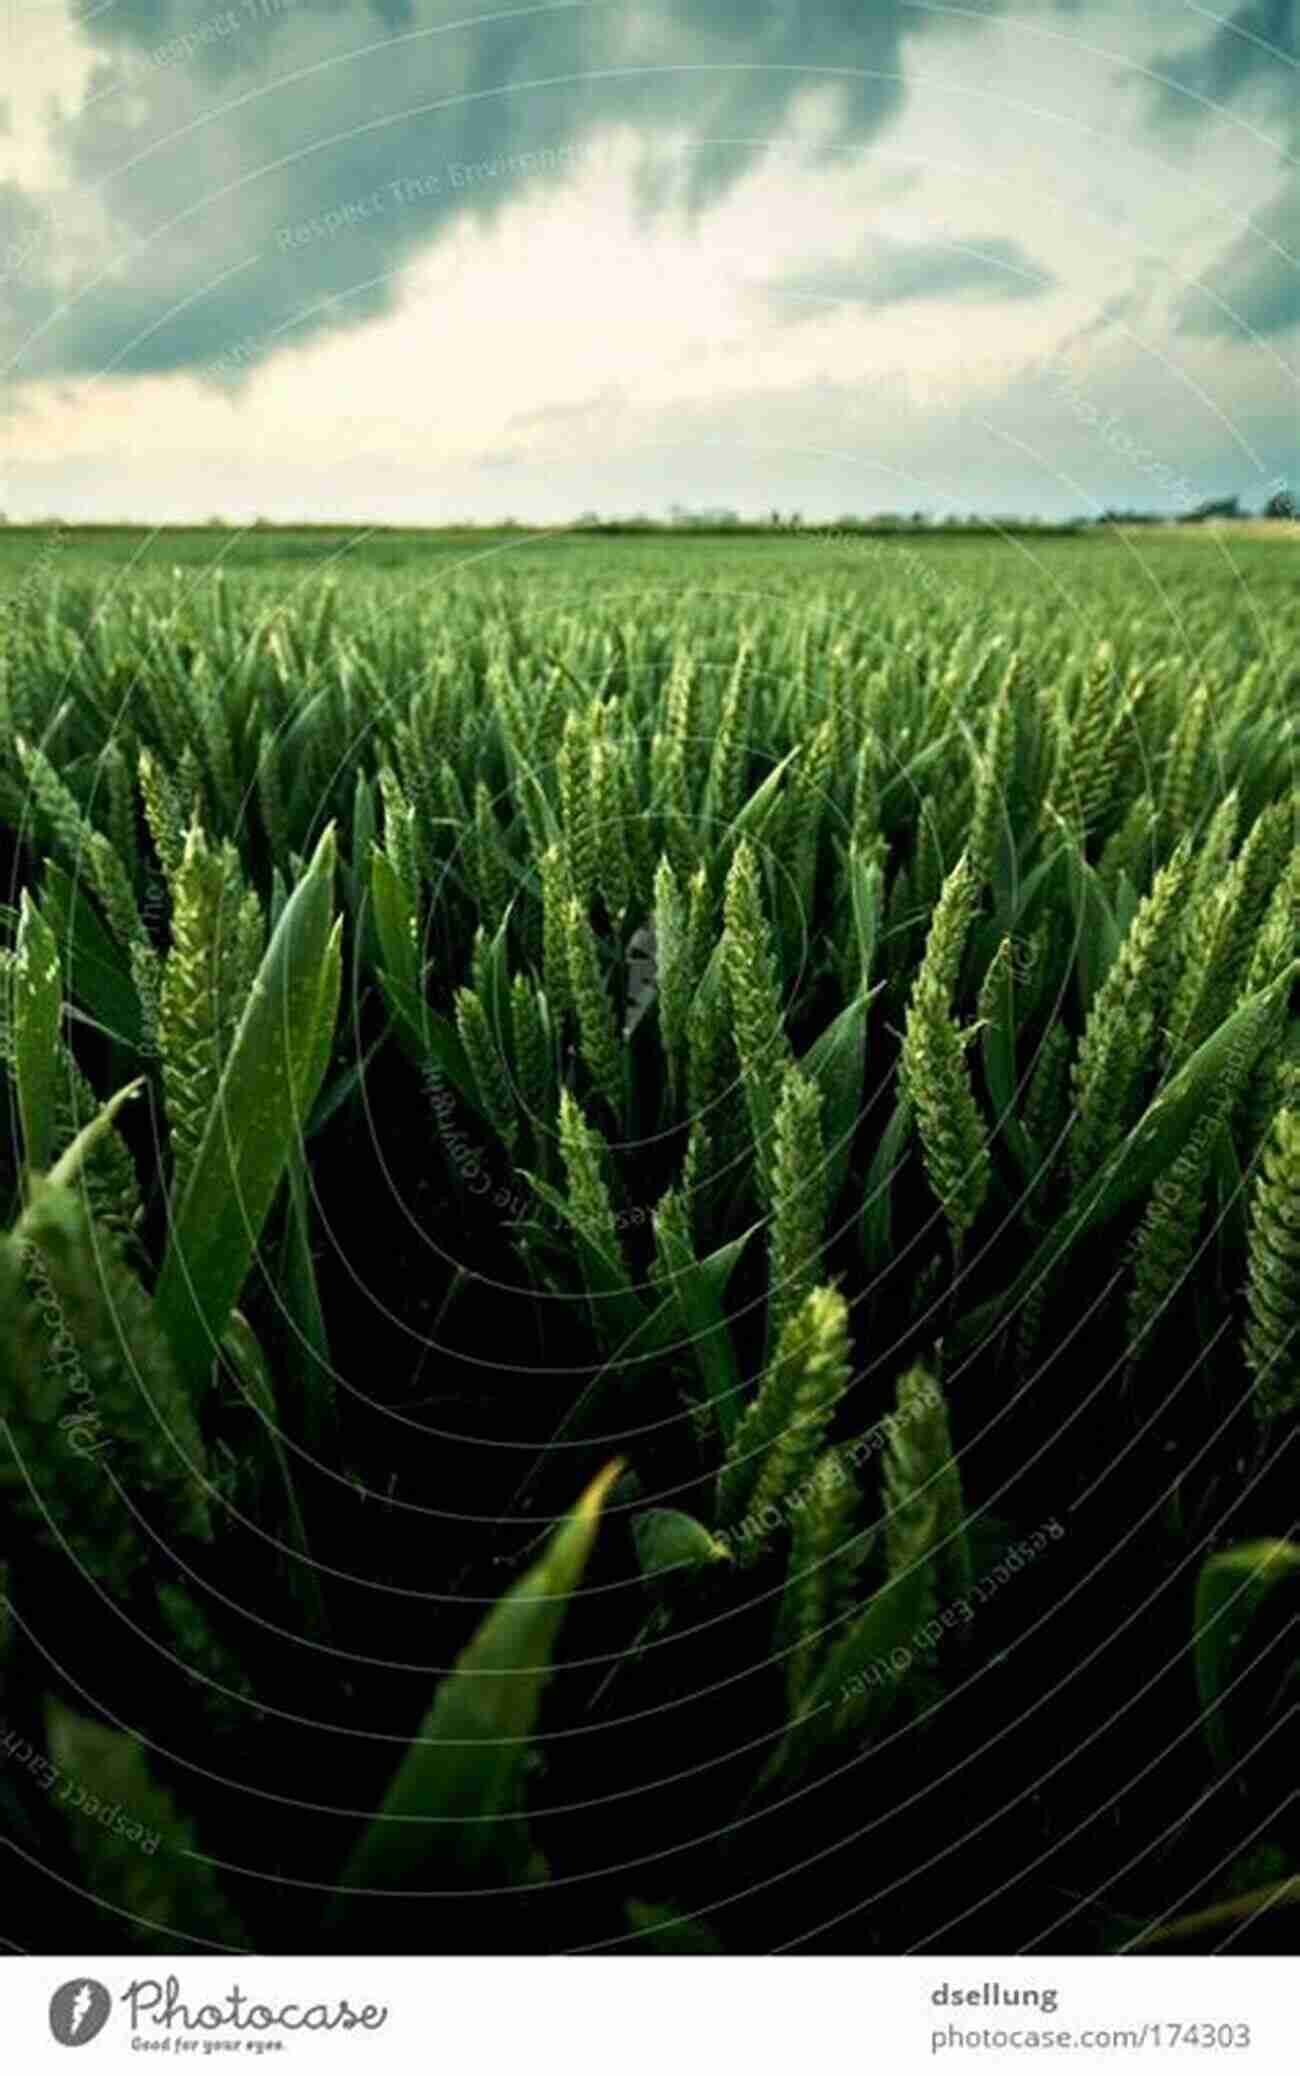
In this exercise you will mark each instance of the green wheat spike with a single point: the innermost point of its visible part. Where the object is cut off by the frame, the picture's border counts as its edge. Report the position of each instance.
(701, 925)
(488, 1068)
(934, 1072)
(996, 763)
(753, 991)
(531, 1059)
(480, 957)
(673, 979)
(1267, 856)
(798, 1200)
(118, 1371)
(695, 1170)
(1223, 930)
(164, 813)
(862, 1678)
(806, 803)
(921, 1472)
(1278, 939)
(177, 1892)
(1047, 1097)
(111, 882)
(1119, 1041)
(928, 859)
(1166, 1240)
(399, 836)
(949, 928)
(679, 699)
(1185, 766)
(56, 1438)
(455, 807)
(270, 794)
(671, 1225)
(954, 1138)
(55, 805)
(614, 872)
(189, 788)
(577, 818)
(843, 697)
(1085, 778)
(202, 991)
(676, 809)
(636, 823)
(247, 948)
(1130, 851)
(1125, 748)
(1277, 945)
(730, 747)
(780, 1434)
(1272, 1342)
(220, 751)
(995, 1005)
(597, 1026)
(709, 1048)
(556, 894)
(489, 864)
(584, 1155)
(417, 765)
(824, 1554)
(108, 1177)
(1214, 859)
(119, 804)
(1205, 987)
(865, 824)
(108, 877)
(551, 708)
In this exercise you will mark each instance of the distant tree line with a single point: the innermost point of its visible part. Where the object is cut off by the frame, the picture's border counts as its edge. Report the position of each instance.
(1281, 505)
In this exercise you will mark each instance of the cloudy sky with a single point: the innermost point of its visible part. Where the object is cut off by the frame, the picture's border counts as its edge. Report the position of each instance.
(424, 259)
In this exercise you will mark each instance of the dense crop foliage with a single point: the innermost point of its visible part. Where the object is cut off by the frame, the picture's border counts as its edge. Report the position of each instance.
(789, 1053)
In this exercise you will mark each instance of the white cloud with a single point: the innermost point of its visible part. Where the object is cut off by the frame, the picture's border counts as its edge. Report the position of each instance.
(578, 348)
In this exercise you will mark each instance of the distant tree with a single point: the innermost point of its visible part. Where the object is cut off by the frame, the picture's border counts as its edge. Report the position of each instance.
(1217, 508)
(1280, 506)
(1115, 517)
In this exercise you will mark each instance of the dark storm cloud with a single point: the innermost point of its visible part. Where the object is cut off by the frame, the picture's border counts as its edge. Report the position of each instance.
(975, 270)
(1253, 49)
(1254, 288)
(268, 168)
(1249, 64)
(25, 244)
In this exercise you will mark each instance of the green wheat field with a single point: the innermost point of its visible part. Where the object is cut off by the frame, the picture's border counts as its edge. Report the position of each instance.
(651, 1281)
